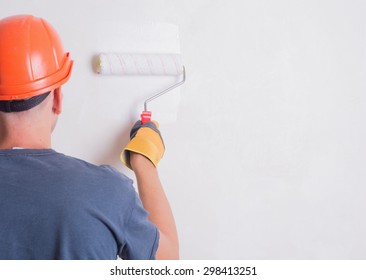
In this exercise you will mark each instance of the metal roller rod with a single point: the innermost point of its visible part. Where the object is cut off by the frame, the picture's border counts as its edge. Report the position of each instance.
(166, 90)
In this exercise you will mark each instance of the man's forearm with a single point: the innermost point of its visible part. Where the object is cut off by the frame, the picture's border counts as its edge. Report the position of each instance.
(156, 203)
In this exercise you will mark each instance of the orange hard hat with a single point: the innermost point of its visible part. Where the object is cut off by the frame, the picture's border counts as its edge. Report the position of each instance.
(32, 58)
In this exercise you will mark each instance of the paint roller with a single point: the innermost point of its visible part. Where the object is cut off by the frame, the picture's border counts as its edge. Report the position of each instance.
(143, 64)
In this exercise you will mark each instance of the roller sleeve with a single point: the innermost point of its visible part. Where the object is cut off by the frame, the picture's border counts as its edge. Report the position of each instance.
(139, 64)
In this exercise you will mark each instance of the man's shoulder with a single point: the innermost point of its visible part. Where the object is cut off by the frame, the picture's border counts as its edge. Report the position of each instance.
(46, 165)
(98, 173)
(75, 163)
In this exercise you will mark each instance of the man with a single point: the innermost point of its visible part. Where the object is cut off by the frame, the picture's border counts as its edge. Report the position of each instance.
(53, 206)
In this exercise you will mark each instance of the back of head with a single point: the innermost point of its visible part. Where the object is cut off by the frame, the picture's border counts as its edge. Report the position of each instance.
(32, 62)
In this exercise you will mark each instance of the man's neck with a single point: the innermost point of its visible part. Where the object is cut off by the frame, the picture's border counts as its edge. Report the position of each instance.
(25, 139)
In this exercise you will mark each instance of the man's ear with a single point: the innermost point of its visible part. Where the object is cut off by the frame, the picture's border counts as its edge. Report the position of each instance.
(57, 101)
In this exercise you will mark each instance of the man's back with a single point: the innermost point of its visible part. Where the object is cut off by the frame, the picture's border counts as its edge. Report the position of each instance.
(57, 207)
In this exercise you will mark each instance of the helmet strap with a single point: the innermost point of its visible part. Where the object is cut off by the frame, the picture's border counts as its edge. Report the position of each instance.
(9, 106)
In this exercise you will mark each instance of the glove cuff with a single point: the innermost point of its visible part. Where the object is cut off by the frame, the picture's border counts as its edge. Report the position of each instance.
(152, 147)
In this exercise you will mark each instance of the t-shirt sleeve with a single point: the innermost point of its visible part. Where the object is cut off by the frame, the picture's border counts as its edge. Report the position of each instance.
(141, 235)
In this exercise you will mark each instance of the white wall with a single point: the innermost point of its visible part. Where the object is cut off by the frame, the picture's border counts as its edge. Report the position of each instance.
(267, 157)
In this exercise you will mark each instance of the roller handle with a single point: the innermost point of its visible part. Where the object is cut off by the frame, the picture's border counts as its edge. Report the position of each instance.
(145, 116)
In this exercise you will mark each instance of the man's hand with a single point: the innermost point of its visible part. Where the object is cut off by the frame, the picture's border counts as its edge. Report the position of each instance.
(145, 139)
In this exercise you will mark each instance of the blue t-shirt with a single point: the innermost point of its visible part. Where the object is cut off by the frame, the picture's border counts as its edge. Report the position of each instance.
(54, 206)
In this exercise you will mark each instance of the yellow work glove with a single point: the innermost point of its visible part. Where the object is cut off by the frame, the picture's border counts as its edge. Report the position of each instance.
(145, 139)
